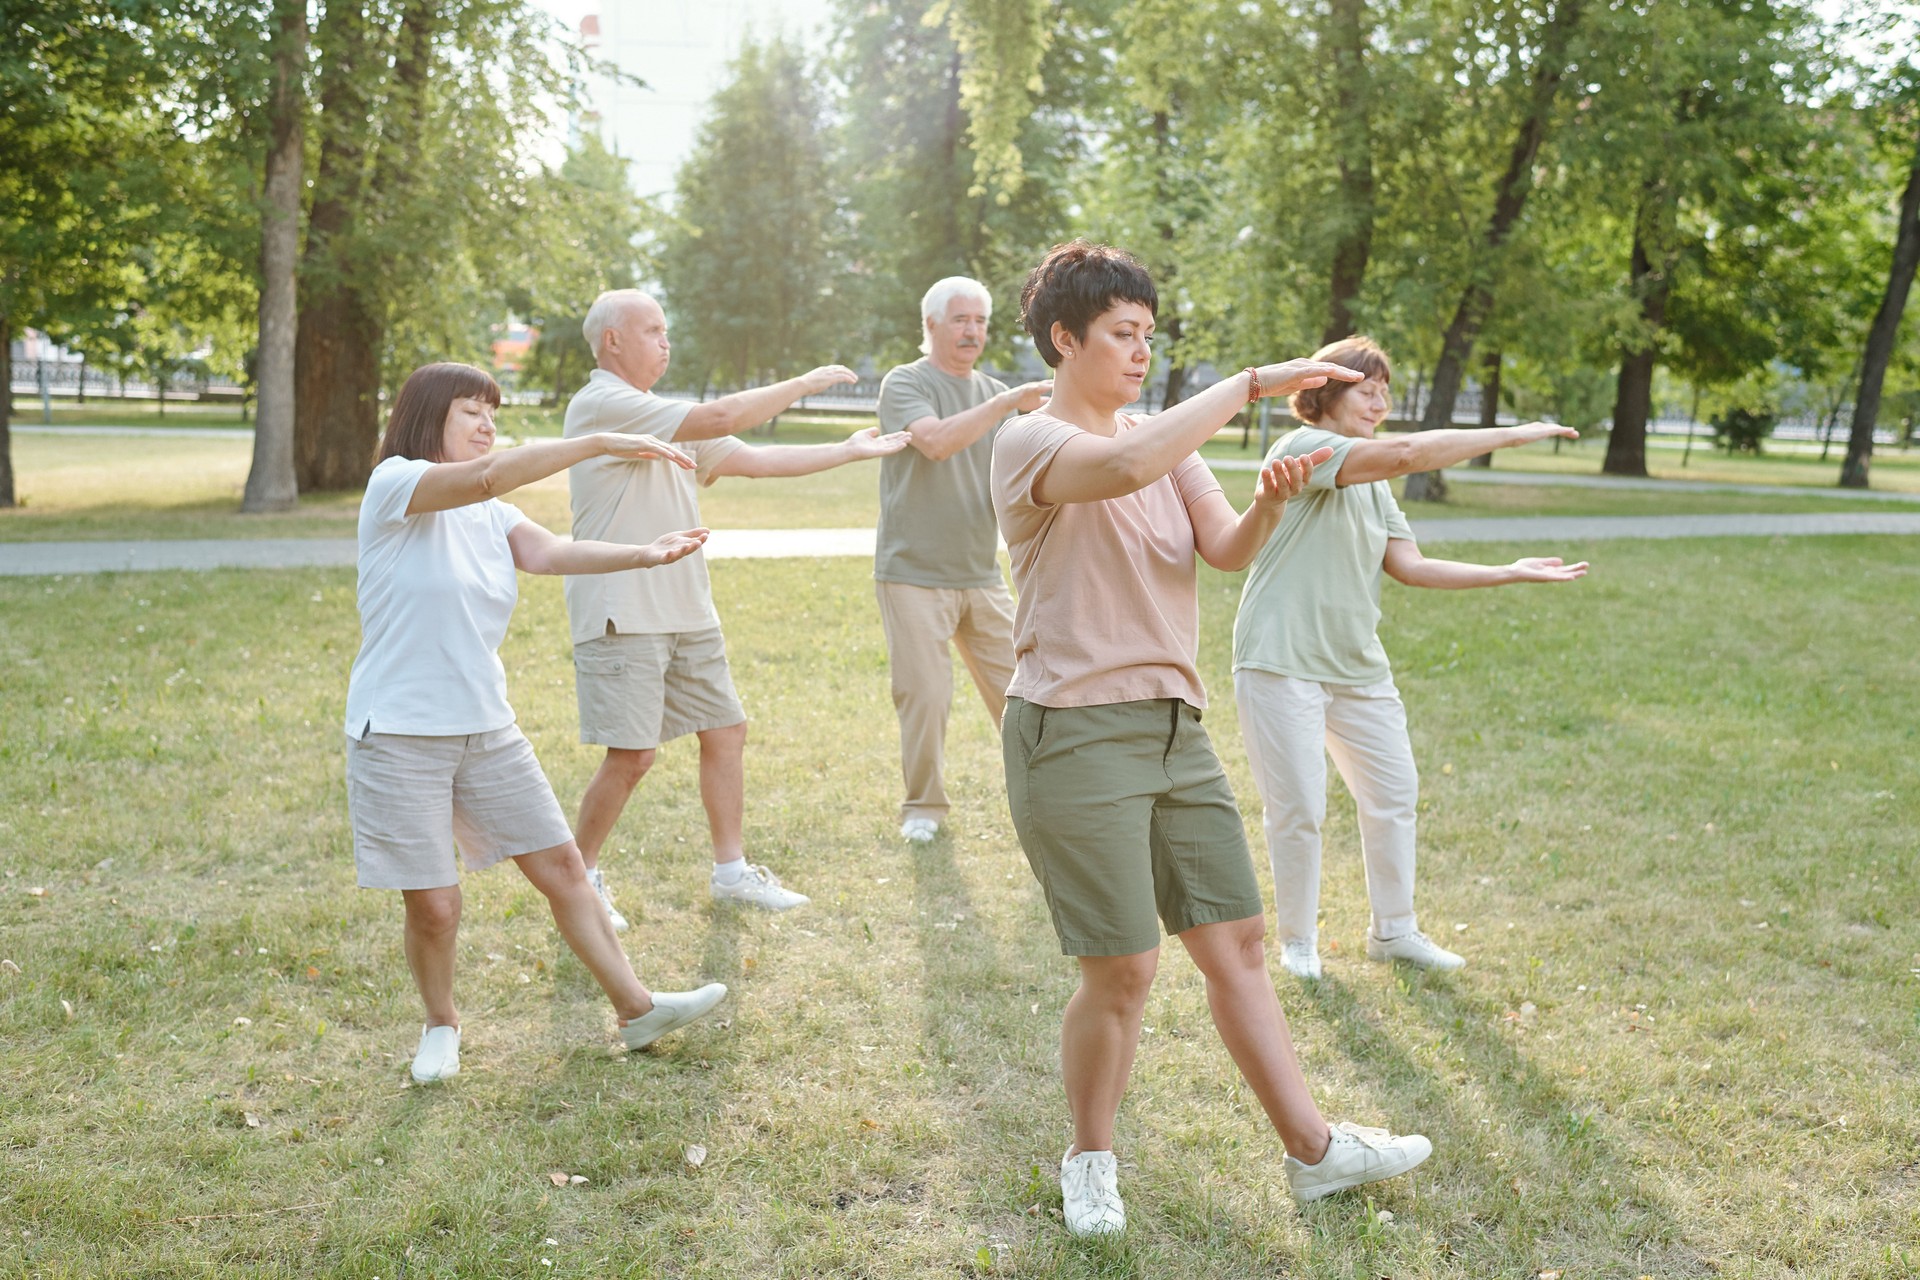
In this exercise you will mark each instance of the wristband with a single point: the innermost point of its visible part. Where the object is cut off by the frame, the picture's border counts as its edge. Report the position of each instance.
(1253, 383)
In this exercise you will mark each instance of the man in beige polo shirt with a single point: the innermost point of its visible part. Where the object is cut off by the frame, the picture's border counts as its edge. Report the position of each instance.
(649, 661)
(936, 566)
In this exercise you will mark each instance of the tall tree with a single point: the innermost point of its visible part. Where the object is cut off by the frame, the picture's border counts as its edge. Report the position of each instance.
(1552, 48)
(1886, 321)
(271, 482)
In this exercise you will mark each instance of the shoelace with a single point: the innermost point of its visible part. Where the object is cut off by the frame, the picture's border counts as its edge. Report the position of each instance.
(1378, 1139)
(1080, 1174)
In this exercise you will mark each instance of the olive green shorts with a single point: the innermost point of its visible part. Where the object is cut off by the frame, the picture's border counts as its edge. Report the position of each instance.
(1126, 815)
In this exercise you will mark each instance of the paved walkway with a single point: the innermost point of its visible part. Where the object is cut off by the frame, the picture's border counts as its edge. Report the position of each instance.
(1547, 533)
(1564, 480)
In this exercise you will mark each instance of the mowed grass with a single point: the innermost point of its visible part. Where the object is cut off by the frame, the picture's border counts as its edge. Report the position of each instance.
(1669, 816)
(123, 487)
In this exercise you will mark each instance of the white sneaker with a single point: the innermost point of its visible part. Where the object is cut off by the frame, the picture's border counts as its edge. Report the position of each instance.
(919, 830)
(1301, 958)
(599, 883)
(761, 888)
(1416, 949)
(671, 1011)
(1090, 1193)
(1355, 1155)
(438, 1057)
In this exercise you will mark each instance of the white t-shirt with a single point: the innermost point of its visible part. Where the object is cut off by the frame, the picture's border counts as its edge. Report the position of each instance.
(436, 592)
(633, 502)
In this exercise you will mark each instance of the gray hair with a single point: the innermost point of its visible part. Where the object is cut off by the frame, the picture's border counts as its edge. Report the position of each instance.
(607, 312)
(934, 304)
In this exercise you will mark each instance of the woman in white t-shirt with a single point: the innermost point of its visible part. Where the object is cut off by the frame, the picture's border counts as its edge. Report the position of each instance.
(433, 754)
(1309, 674)
(1115, 791)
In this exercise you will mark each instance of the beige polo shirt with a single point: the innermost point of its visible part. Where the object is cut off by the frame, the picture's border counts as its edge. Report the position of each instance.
(1108, 610)
(936, 518)
(634, 502)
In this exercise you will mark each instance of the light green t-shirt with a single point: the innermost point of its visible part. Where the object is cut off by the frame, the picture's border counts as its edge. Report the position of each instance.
(936, 518)
(1311, 608)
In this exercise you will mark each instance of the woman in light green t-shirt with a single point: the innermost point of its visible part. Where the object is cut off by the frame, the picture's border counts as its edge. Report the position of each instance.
(1309, 673)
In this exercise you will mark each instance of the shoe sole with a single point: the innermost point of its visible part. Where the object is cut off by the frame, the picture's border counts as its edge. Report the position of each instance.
(759, 906)
(444, 1075)
(1358, 1180)
(1429, 968)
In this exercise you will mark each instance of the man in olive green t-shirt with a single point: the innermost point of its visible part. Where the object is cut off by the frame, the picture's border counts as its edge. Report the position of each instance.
(936, 565)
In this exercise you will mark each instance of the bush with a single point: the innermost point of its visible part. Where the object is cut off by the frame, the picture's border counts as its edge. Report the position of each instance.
(1742, 430)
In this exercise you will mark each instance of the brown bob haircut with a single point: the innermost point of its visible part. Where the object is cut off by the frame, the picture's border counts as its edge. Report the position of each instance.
(1074, 285)
(417, 427)
(1355, 352)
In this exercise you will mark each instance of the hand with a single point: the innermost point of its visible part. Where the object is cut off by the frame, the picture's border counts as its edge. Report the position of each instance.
(828, 375)
(1533, 431)
(669, 547)
(1546, 568)
(1289, 376)
(1030, 396)
(620, 444)
(871, 444)
(1285, 477)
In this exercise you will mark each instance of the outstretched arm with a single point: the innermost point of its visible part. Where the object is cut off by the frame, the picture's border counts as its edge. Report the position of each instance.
(539, 550)
(941, 438)
(447, 485)
(1229, 540)
(1370, 460)
(1404, 563)
(730, 415)
(1091, 468)
(763, 461)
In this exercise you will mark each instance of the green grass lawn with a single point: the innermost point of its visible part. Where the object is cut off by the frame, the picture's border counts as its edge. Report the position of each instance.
(1669, 816)
(140, 487)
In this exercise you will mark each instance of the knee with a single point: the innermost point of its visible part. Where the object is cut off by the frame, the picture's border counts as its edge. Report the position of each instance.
(435, 912)
(628, 767)
(1240, 948)
(1120, 984)
(731, 738)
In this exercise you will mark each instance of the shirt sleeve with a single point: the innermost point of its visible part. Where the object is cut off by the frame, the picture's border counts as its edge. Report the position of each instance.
(1193, 479)
(1398, 525)
(389, 490)
(708, 454)
(507, 516)
(642, 413)
(903, 401)
(1297, 444)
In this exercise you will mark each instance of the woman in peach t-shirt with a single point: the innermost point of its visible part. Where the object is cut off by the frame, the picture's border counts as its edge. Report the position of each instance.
(1115, 791)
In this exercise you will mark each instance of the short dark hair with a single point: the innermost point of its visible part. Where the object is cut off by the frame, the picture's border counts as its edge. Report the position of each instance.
(1074, 285)
(417, 427)
(1355, 352)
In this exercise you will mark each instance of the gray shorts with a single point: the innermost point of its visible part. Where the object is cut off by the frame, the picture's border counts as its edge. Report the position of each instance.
(413, 799)
(638, 691)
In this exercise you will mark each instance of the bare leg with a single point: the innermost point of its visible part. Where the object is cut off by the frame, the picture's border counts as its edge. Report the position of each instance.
(1098, 1036)
(723, 788)
(561, 875)
(606, 796)
(433, 924)
(1233, 957)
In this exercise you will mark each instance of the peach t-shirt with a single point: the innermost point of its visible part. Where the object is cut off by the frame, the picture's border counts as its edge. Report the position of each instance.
(1108, 609)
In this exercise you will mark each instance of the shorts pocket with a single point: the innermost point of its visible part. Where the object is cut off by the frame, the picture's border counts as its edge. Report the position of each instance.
(597, 662)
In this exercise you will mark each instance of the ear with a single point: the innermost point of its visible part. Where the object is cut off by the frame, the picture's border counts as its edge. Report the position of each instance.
(1063, 340)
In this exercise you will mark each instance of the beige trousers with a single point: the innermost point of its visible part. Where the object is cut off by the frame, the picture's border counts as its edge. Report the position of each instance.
(920, 622)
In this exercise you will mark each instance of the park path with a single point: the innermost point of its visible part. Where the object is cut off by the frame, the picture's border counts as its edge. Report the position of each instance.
(1547, 534)
(1564, 480)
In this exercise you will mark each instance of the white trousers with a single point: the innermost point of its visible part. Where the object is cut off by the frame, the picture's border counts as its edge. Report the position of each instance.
(1291, 726)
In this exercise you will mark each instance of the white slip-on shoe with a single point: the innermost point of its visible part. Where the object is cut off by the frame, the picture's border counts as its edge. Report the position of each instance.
(919, 830)
(1355, 1155)
(1301, 958)
(438, 1057)
(671, 1011)
(599, 883)
(1090, 1195)
(1416, 949)
(761, 888)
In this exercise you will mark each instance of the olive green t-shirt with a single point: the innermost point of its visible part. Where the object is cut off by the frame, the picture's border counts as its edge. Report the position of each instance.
(1311, 607)
(936, 518)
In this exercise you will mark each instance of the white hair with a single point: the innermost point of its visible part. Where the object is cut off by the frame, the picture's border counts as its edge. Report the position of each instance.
(934, 304)
(607, 312)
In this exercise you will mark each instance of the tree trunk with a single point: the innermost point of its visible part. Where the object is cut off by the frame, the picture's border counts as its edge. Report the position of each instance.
(270, 481)
(1516, 184)
(1880, 338)
(6, 411)
(1633, 391)
(1489, 407)
(1353, 134)
(80, 388)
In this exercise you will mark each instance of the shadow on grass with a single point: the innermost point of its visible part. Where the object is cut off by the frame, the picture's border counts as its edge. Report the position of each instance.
(1541, 1166)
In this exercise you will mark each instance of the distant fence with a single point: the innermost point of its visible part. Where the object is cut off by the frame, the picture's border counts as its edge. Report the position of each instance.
(72, 380)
